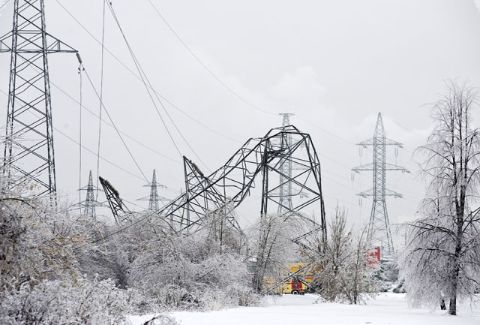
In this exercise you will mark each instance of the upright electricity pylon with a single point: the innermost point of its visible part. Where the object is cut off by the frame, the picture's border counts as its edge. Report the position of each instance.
(154, 199)
(90, 203)
(29, 153)
(285, 186)
(378, 232)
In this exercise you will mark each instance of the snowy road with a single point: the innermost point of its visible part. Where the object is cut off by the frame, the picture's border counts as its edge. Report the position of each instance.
(386, 309)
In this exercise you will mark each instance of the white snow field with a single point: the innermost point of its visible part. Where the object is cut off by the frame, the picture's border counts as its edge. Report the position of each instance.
(386, 309)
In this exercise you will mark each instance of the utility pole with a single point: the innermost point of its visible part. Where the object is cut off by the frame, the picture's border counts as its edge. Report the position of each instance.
(378, 231)
(285, 186)
(29, 156)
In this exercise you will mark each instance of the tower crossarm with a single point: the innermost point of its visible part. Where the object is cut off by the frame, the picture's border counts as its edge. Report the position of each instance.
(361, 168)
(371, 167)
(371, 192)
(388, 142)
(53, 44)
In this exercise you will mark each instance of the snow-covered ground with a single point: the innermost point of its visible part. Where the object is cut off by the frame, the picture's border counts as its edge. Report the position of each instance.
(386, 309)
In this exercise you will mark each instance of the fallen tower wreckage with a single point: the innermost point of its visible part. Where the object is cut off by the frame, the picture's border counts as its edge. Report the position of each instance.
(226, 188)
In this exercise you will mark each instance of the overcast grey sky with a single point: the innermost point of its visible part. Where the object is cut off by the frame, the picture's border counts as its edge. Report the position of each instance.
(335, 64)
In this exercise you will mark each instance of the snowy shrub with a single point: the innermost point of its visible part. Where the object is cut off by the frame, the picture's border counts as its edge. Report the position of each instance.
(35, 244)
(343, 274)
(191, 273)
(57, 302)
(242, 295)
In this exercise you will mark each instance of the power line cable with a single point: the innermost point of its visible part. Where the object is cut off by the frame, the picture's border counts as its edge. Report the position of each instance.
(142, 76)
(148, 85)
(114, 126)
(80, 132)
(140, 143)
(101, 96)
(197, 58)
(4, 4)
(134, 74)
(90, 150)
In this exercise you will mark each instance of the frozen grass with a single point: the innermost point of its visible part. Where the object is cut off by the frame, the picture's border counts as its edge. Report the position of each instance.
(386, 309)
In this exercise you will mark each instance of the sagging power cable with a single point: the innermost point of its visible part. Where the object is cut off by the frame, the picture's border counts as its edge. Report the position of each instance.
(209, 71)
(90, 81)
(142, 75)
(102, 61)
(136, 76)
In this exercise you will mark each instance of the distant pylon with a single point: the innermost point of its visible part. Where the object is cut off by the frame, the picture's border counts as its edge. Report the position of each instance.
(285, 186)
(153, 204)
(29, 153)
(154, 199)
(378, 231)
(90, 202)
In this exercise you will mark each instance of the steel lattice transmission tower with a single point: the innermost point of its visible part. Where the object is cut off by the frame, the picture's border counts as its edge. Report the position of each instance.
(29, 152)
(285, 186)
(90, 203)
(378, 232)
(154, 199)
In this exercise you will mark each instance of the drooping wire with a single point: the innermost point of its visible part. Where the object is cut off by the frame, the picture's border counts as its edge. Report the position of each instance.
(140, 143)
(142, 75)
(90, 81)
(101, 97)
(80, 99)
(134, 74)
(4, 4)
(148, 86)
(197, 58)
(90, 150)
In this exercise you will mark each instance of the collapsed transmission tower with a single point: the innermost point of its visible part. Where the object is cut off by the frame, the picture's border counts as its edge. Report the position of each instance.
(285, 170)
(378, 232)
(215, 196)
(29, 152)
(120, 211)
(227, 187)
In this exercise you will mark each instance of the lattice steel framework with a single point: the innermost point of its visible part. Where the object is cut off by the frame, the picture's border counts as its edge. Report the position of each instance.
(120, 211)
(226, 188)
(286, 169)
(153, 202)
(29, 152)
(378, 231)
(218, 194)
(90, 204)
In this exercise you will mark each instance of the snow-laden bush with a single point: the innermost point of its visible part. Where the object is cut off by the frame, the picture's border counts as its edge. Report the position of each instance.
(342, 273)
(192, 273)
(67, 302)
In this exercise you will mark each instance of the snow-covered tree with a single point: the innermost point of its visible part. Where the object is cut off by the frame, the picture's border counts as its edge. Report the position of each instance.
(342, 272)
(274, 247)
(442, 261)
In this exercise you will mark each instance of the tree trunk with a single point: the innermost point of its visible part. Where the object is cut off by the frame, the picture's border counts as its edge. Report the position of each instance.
(442, 304)
(452, 307)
